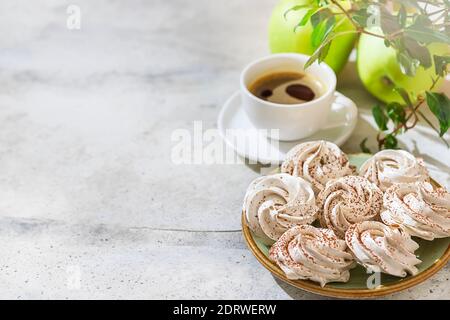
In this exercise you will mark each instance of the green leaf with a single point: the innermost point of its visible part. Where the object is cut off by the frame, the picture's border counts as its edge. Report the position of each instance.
(305, 19)
(433, 127)
(426, 35)
(423, 20)
(324, 51)
(296, 8)
(439, 104)
(316, 18)
(405, 96)
(389, 23)
(418, 52)
(440, 64)
(363, 146)
(380, 117)
(320, 15)
(422, 31)
(321, 31)
(408, 65)
(390, 142)
(360, 16)
(396, 112)
(318, 53)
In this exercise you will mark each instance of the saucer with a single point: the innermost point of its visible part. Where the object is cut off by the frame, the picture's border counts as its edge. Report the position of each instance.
(253, 144)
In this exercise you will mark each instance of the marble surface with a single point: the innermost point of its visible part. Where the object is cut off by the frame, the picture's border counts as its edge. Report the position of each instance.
(92, 205)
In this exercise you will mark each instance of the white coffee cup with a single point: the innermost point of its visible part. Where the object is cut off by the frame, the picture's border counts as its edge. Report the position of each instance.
(293, 121)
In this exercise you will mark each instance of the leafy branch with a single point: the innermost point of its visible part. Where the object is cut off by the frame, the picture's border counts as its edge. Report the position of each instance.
(396, 113)
(408, 27)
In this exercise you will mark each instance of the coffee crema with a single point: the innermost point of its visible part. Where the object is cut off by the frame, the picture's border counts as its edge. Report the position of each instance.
(287, 87)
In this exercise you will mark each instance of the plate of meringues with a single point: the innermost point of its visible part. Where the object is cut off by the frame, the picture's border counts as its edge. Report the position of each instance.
(349, 226)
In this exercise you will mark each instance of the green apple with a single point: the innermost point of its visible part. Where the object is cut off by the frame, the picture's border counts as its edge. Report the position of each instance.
(282, 37)
(380, 72)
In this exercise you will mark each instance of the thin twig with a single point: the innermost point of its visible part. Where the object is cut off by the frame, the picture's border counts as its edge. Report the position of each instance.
(433, 127)
(337, 4)
(404, 125)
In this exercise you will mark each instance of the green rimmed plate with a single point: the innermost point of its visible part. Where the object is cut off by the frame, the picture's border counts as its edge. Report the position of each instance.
(434, 255)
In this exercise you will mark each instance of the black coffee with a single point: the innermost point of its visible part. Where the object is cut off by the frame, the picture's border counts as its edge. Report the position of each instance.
(287, 87)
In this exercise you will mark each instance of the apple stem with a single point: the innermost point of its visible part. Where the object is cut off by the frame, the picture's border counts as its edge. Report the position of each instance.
(387, 81)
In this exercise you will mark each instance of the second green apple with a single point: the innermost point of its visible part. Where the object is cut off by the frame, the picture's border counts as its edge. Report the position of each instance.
(380, 71)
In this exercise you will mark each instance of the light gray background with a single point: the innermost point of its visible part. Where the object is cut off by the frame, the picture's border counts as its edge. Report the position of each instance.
(91, 205)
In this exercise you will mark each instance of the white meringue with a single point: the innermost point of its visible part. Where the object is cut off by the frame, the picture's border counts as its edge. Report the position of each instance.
(388, 167)
(348, 200)
(307, 252)
(317, 162)
(420, 210)
(382, 248)
(277, 202)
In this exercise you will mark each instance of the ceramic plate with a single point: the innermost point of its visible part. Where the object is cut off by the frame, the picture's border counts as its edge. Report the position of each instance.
(434, 255)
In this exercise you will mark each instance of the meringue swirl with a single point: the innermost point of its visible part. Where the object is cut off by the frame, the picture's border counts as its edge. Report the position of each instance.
(348, 200)
(389, 167)
(310, 253)
(422, 211)
(317, 162)
(277, 202)
(382, 248)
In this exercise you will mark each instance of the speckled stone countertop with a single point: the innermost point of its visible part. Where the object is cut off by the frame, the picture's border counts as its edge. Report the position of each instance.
(91, 204)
